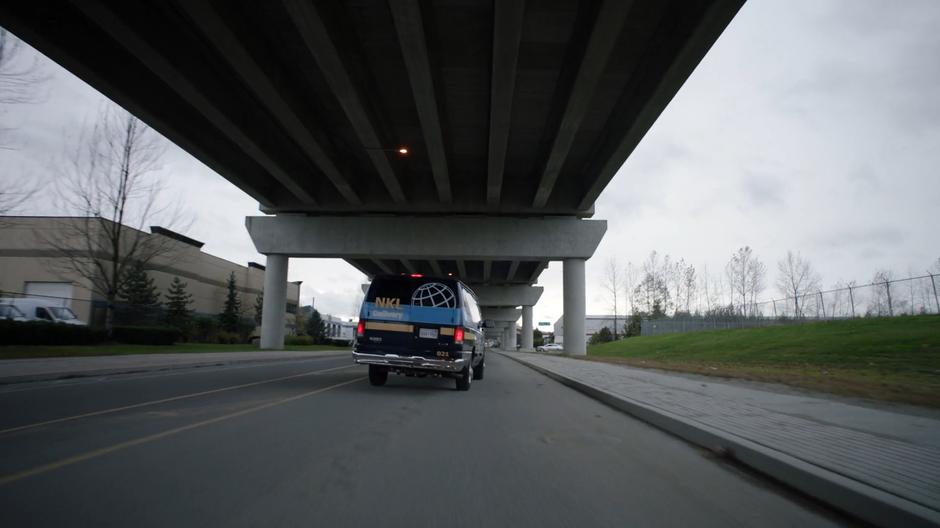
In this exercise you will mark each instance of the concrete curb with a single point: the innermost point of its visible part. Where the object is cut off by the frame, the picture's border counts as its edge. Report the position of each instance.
(53, 376)
(850, 496)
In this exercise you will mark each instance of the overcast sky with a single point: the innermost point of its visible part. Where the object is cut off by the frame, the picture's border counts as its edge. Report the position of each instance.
(810, 125)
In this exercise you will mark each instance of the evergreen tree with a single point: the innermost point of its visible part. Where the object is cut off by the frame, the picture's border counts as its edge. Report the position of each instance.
(231, 312)
(259, 307)
(178, 314)
(634, 325)
(138, 289)
(538, 339)
(602, 336)
(316, 329)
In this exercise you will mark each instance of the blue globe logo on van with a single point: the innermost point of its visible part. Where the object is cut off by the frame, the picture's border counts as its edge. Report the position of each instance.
(434, 295)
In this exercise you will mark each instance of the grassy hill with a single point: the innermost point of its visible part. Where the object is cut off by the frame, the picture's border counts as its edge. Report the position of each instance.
(894, 358)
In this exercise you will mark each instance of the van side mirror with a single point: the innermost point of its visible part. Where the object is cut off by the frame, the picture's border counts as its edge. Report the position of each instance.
(488, 323)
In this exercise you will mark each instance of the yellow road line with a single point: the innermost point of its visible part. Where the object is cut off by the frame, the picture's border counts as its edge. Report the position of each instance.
(166, 400)
(157, 436)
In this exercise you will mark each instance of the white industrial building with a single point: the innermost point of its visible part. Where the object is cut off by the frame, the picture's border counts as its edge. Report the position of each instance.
(31, 266)
(592, 325)
(339, 330)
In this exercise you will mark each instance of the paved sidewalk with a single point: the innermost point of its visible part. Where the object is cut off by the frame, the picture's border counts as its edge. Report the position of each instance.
(41, 369)
(880, 465)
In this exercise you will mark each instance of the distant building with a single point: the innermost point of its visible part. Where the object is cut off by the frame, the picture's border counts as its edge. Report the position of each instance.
(29, 266)
(339, 330)
(592, 325)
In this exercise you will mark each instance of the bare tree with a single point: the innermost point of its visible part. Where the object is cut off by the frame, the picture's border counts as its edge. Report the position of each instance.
(674, 272)
(746, 274)
(707, 290)
(881, 302)
(19, 74)
(109, 183)
(796, 278)
(13, 194)
(613, 282)
(631, 280)
(689, 282)
(652, 291)
(20, 77)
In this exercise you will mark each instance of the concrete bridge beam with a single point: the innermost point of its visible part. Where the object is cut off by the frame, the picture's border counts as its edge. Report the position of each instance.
(507, 296)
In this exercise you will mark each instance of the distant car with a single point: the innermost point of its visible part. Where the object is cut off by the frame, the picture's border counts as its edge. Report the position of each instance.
(11, 313)
(551, 347)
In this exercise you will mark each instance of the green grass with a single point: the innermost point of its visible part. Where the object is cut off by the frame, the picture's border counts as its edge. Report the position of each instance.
(894, 359)
(116, 349)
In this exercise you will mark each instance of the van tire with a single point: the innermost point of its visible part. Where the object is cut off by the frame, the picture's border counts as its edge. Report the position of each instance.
(463, 381)
(478, 372)
(377, 375)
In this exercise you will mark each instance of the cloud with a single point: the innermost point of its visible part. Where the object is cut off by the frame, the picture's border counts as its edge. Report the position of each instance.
(763, 190)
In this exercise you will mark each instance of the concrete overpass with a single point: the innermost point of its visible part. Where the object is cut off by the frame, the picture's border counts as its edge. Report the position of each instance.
(514, 116)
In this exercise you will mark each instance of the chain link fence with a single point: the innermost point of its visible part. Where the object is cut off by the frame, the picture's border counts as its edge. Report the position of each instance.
(910, 296)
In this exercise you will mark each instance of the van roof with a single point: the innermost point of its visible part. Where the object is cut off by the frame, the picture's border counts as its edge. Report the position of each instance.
(421, 277)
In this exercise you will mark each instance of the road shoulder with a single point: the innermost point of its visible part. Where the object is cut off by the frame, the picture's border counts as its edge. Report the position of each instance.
(874, 477)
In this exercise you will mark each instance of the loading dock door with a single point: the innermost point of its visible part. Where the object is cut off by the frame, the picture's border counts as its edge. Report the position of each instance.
(59, 293)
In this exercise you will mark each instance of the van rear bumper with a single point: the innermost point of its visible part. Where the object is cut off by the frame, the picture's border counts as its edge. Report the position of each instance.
(413, 362)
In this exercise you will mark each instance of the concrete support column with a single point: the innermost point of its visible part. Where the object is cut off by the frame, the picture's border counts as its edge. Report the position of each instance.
(275, 302)
(527, 328)
(511, 337)
(573, 289)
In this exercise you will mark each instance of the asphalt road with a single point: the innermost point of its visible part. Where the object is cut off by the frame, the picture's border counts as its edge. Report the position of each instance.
(311, 443)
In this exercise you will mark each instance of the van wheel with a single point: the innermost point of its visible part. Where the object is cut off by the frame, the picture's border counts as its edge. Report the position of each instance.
(478, 372)
(463, 381)
(378, 375)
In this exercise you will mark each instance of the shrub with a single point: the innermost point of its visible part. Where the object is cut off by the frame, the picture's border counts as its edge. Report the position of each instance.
(298, 340)
(146, 335)
(245, 329)
(46, 333)
(634, 326)
(602, 336)
(205, 330)
(228, 338)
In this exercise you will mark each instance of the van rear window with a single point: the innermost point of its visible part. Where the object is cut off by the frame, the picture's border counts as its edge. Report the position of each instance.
(436, 293)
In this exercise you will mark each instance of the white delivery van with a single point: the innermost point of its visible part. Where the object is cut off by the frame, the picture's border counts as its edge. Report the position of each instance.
(38, 309)
(11, 313)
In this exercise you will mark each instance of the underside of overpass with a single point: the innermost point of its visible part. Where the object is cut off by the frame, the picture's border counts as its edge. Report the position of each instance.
(510, 112)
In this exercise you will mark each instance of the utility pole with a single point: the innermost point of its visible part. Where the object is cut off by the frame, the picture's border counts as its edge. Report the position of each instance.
(888, 289)
(852, 301)
(935, 298)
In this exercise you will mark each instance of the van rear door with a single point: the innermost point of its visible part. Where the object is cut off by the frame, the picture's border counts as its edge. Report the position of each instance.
(404, 315)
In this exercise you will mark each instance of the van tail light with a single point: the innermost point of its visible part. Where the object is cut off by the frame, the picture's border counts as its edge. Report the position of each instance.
(361, 329)
(458, 335)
